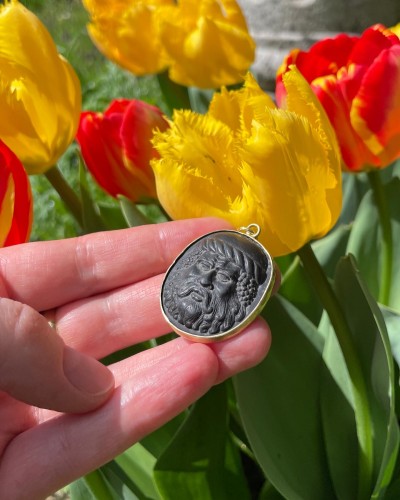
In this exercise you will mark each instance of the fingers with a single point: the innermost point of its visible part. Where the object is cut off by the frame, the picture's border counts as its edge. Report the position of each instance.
(47, 274)
(113, 320)
(37, 368)
(155, 386)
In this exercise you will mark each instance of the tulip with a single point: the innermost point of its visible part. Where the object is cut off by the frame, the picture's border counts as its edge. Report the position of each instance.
(116, 147)
(357, 80)
(15, 200)
(39, 92)
(249, 162)
(126, 32)
(208, 43)
(204, 43)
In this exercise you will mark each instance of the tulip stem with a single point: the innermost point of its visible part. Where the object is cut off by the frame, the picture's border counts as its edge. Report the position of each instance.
(67, 194)
(175, 96)
(343, 334)
(387, 237)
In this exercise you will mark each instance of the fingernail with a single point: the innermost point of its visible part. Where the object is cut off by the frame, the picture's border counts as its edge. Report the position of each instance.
(87, 374)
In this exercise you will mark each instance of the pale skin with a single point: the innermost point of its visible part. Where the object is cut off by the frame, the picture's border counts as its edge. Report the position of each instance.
(63, 414)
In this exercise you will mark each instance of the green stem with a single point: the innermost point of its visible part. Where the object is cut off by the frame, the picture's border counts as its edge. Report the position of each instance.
(67, 194)
(343, 334)
(387, 238)
(176, 96)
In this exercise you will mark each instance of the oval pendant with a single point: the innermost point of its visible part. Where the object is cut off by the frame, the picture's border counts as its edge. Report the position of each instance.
(218, 285)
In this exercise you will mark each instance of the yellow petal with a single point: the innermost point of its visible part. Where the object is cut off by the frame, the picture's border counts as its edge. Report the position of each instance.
(127, 33)
(290, 177)
(237, 108)
(40, 98)
(7, 210)
(207, 42)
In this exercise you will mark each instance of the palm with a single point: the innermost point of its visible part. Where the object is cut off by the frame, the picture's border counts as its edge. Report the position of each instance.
(102, 292)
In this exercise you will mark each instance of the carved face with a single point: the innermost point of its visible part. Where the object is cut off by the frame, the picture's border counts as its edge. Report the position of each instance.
(204, 291)
(213, 284)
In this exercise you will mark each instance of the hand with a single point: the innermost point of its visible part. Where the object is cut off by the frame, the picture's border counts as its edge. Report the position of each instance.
(101, 293)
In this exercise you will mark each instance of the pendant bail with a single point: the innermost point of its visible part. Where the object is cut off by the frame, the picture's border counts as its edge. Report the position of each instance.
(252, 230)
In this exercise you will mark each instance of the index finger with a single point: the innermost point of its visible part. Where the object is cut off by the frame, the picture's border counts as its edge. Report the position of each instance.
(48, 274)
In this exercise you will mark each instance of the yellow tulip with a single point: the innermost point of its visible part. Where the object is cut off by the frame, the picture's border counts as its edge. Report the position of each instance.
(204, 43)
(250, 162)
(127, 33)
(40, 97)
(207, 42)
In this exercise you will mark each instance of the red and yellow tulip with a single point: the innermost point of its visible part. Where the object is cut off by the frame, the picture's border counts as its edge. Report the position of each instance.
(15, 200)
(116, 146)
(248, 161)
(40, 97)
(357, 80)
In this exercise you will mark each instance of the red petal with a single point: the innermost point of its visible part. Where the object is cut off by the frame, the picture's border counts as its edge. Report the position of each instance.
(23, 204)
(139, 122)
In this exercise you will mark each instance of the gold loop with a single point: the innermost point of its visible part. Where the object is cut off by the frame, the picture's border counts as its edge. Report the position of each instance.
(252, 230)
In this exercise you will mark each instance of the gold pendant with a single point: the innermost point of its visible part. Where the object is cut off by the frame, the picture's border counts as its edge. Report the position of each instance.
(218, 285)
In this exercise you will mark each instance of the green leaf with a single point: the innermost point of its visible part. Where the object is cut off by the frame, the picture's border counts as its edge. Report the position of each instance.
(133, 216)
(112, 216)
(92, 221)
(339, 424)
(124, 486)
(392, 321)
(97, 486)
(354, 189)
(158, 440)
(365, 241)
(372, 344)
(330, 249)
(137, 463)
(201, 462)
(279, 406)
(200, 99)
(78, 490)
(175, 96)
(297, 289)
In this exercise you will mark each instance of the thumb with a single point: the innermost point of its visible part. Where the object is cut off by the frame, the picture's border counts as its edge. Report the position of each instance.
(38, 368)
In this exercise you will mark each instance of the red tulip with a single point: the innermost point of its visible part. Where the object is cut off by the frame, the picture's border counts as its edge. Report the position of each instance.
(116, 147)
(357, 80)
(15, 200)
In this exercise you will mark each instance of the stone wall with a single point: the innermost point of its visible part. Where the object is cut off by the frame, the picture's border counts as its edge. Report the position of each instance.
(280, 25)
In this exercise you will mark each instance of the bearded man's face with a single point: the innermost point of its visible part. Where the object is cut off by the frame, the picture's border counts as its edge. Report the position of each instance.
(207, 287)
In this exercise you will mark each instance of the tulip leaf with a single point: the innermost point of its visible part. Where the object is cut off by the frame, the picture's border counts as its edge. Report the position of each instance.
(365, 241)
(279, 405)
(128, 487)
(79, 490)
(201, 462)
(92, 221)
(158, 440)
(372, 345)
(330, 249)
(175, 96)
(133, 216)
(297, 289)
(93, 486)
(200, 99)
(392, 321)
(112, 216)
(354, 189)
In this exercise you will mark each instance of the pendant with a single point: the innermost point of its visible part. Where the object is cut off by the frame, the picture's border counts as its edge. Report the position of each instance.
(218, 285)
